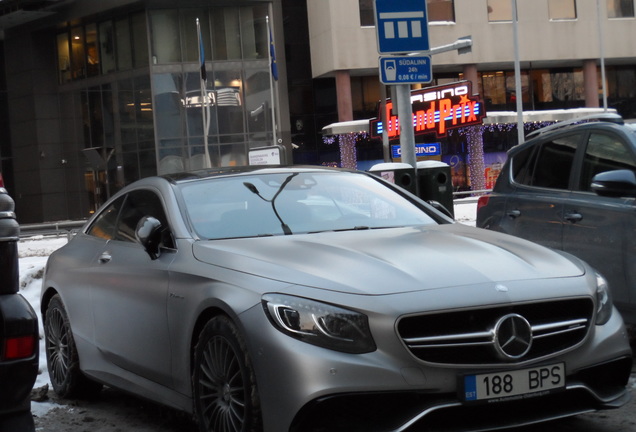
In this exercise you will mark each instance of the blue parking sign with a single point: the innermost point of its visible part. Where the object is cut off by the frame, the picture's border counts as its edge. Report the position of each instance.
(401, 26)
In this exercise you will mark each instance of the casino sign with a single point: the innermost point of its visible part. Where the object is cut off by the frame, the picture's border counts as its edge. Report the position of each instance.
(435, 110)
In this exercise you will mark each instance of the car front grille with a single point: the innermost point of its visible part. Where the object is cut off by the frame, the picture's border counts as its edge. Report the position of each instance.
(469, 337)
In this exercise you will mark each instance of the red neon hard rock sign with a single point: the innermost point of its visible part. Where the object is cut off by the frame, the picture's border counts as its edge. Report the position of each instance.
(436, 110)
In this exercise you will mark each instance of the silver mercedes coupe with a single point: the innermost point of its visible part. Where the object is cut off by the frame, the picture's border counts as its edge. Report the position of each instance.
(315, 299)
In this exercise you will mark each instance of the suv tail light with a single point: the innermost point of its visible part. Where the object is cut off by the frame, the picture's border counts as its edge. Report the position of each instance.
(482, 201)
(19, 347)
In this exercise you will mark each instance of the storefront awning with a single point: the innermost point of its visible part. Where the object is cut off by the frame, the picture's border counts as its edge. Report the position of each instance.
(493, 117)
(355, 126)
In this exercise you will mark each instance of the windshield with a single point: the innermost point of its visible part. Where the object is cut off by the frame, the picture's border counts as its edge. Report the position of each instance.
(295, 203)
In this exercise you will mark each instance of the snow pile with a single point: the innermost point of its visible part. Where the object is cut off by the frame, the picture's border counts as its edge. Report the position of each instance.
(33, 252)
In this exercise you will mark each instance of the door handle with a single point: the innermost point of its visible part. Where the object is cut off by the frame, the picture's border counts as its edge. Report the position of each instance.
(105, 257)
(514, 214)
(573, 217)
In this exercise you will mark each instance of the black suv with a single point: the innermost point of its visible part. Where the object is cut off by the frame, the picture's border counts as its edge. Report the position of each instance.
(572, 186)
(19, 336)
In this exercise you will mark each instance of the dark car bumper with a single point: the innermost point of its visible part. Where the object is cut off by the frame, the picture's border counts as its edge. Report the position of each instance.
(17, 375)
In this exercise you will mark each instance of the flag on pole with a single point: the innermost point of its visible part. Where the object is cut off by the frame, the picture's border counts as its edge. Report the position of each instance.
(204, 76)
(272, 53)
(205, 109)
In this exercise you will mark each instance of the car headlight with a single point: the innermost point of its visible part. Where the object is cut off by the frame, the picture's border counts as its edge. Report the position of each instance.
(604, 305)
(320, 324)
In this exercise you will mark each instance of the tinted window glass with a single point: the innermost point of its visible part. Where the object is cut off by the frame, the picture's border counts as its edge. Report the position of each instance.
(295, 203)
(367, 14)
(562, 9)
(440, 10)
(138, 204)
(554, 163)
(104, 225)
(604, 153)
(523, 164)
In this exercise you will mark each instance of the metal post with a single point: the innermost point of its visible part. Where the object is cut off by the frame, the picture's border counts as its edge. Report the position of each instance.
(405, 116)
(205, 109)
(602, 51)
(518, 89)
(386, 148)
(270, 37)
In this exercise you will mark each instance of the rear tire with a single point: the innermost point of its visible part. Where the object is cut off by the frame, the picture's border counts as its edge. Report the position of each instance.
(224, 385)
(62, 358)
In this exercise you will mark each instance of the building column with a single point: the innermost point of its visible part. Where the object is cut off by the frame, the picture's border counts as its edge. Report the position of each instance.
(590, 82)
(343, 94)
(470, 74)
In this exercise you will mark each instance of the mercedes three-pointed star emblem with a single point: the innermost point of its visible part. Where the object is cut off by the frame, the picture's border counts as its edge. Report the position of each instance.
(513, 337)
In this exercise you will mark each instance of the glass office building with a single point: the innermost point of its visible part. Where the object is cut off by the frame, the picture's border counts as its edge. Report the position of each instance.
(126, 98)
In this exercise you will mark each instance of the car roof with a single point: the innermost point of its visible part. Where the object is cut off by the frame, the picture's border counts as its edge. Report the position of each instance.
(578, 122)
(610, 121)
(187, 176)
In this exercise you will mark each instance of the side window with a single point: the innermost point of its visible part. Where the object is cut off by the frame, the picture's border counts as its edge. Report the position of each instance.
(138, 204)
(441, 10)
(104, 225)
(523, 165)
(604, 153)
(553, 163)
(546, 164)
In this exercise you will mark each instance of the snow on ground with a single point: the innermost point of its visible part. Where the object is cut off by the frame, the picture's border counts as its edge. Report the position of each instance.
(33, 253)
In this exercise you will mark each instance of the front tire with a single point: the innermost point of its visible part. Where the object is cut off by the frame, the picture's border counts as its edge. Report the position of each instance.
(62, 358)
(224, 385)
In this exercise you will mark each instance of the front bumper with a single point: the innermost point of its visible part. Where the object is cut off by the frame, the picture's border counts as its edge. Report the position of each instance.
(307, 388)
(419, 411)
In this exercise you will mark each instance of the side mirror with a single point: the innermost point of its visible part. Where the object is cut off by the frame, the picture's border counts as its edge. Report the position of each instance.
(440, 208)
(148, 234)
(618, 183)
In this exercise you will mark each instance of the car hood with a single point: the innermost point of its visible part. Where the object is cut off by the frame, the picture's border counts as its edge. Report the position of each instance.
(389, 261)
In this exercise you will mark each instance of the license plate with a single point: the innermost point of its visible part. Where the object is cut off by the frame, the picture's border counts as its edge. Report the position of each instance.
(515, 384)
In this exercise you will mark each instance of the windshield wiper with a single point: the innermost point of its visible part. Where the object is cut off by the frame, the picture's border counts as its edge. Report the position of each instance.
(272, 201)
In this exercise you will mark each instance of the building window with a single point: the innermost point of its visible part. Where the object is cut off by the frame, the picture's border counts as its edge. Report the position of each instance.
(238, 95)
(367, 18)
(107, 47)
(494, 85)
(92, 51)
(139, 31)
(499, 10)
(226, 25)
(63, 58)
(124, 44)
(166, 41)
(365, 94)
(440, 10)
(102, 48)
(620, 8)
(78, 54)
(562, 9)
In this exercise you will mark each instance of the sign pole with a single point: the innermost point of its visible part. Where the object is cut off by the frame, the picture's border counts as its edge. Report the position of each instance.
(386, 148)
(518, 88)
(405, 116)
(402, 27)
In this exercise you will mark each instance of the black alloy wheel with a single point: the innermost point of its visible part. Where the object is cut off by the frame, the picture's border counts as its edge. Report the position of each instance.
(61, 354)
(225, 393)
